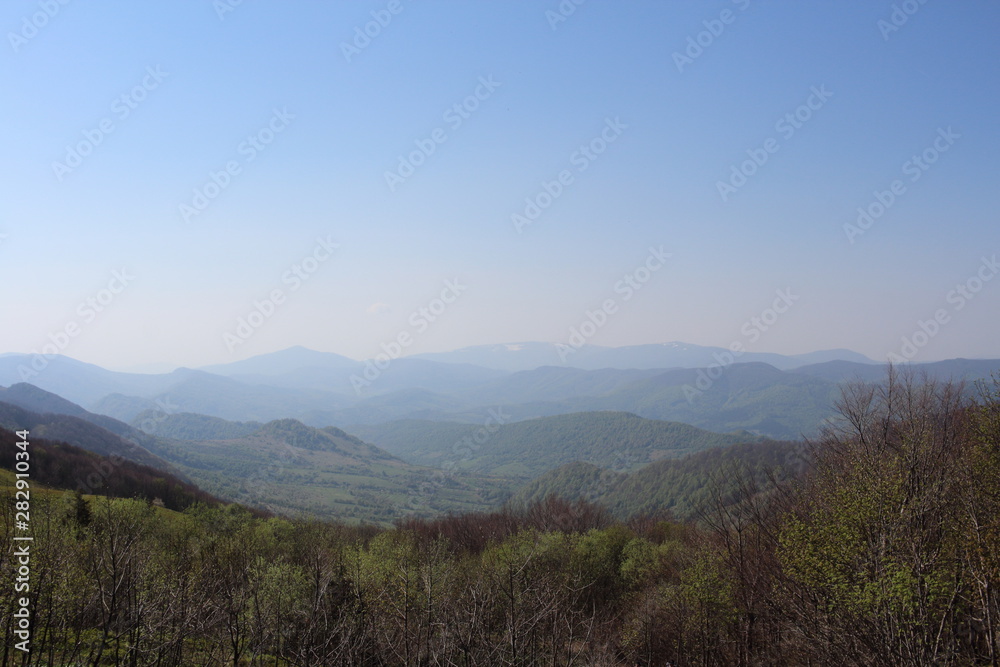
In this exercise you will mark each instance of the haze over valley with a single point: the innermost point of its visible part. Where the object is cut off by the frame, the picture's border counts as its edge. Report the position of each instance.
(483, 421)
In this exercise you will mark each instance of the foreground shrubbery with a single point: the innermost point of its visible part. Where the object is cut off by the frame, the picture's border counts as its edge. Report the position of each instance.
(886, 553)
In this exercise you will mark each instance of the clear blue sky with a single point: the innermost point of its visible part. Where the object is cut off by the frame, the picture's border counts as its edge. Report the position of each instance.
(219, 81)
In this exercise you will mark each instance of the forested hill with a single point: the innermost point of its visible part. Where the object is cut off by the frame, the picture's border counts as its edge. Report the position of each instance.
(885, 547)
(293, 469)
(60, 465)
(532, 447)
(81, 432)
(191, 426)
(679, 486)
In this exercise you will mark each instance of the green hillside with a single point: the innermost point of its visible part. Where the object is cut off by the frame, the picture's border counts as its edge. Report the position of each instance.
(59, 465)
(283, 465)
(191, 426)
(680, 486)
(290, 468)
(618, 440)
(80, 432)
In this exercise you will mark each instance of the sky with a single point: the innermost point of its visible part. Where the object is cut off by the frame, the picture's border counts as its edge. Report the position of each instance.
(195, 182)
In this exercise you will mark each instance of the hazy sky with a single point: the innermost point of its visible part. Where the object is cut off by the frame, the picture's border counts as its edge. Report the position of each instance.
(212, 154)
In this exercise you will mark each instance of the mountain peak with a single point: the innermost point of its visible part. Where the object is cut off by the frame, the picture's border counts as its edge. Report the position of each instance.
(281, 362)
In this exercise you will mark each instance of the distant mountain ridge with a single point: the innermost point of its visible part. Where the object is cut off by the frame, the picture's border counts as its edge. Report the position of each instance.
(528, 356)
(283, 361)
(301, 368)
(752, 395)
(425, 451)
(969, 370)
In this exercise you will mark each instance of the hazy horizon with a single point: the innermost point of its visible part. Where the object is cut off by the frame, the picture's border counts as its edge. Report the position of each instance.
(787, 177)
(163, 367)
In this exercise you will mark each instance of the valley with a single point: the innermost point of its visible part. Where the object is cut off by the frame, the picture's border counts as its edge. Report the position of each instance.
(280, 433)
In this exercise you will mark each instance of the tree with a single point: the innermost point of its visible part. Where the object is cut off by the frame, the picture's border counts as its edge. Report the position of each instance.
(873, 551)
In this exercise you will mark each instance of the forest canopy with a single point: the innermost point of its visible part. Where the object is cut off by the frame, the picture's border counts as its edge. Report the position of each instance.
(884, 551)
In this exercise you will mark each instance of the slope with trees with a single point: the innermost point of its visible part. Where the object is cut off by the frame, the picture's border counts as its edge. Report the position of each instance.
(80, 432)
(678, 486)
(883, 552)
(59, 465)
(532, 447)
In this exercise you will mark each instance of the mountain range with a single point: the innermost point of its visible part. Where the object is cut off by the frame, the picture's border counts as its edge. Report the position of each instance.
(432, 434)
(513, 357)
(784, 397)
(287, 467)
(282, 466)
